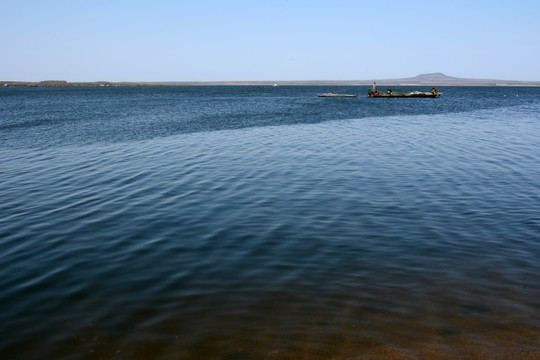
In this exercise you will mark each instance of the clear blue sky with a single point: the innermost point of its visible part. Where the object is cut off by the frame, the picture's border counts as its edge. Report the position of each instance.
(203, 40)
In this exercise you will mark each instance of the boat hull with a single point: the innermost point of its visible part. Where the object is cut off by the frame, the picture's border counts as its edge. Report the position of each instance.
(420, 95)
(337, 95)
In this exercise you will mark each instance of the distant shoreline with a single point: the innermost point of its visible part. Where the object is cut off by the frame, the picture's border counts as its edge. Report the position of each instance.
(252, 83)
(436, 79)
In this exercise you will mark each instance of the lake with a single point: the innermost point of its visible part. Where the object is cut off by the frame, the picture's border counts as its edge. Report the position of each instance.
(258, 222)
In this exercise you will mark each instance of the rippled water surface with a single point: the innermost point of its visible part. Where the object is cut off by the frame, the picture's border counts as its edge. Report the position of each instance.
(267, 223)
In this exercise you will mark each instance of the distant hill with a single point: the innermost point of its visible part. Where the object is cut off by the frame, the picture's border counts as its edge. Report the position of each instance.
(442, 79)
(435, 78)
(432, 79)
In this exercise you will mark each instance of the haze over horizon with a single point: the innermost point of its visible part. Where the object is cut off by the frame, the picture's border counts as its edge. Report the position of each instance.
(283, 40)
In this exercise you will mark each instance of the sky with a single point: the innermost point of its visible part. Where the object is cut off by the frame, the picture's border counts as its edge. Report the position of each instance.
(253, 40)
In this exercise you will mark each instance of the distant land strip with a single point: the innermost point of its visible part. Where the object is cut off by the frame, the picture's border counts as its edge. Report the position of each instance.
(433, 79)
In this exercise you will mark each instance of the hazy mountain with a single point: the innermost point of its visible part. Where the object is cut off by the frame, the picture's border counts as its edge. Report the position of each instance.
(442, 79)
(435, 77)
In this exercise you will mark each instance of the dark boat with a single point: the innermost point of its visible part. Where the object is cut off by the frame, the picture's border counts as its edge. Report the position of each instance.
(415, 94)
(337, 95)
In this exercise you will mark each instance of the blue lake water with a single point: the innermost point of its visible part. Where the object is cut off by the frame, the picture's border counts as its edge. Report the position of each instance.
(257, 222)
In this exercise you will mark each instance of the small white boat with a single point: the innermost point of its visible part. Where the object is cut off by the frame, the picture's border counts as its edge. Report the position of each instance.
(337, 95)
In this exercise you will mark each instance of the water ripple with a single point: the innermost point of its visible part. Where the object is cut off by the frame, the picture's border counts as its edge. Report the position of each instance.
(390, 236)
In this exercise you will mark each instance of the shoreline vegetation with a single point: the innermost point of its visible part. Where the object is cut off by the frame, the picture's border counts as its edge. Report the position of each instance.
(435, 79)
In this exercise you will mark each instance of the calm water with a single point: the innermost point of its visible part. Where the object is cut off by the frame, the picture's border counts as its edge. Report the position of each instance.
(268, 223)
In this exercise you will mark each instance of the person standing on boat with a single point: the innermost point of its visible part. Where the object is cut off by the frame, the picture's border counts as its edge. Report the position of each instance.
(373, 90)
(433, 91)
